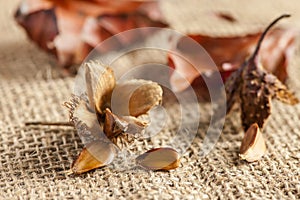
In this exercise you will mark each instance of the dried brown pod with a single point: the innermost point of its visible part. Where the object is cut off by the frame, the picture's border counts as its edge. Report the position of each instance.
(253, 146)
(97, 125)
(254, 87)
(163, 158)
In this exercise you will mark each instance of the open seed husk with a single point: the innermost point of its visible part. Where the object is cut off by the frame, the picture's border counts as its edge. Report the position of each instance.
(100, 82)
(132, 98)
(253, 146)
(98, 126)
(163, 158)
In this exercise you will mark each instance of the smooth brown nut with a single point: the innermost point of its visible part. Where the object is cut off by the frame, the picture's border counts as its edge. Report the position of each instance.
(164, 158)
(94, 155)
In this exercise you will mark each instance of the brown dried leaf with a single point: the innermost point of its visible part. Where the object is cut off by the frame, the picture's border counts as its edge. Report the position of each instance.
(95, 8)
(277, 50)
(70, 29)
(229, 53)
(35, 23)
(159, 159)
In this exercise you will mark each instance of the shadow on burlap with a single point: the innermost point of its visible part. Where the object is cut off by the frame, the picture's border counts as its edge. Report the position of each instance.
(33, 159)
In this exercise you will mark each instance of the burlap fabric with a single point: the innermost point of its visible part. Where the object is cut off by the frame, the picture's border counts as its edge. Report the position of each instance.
(33, 159)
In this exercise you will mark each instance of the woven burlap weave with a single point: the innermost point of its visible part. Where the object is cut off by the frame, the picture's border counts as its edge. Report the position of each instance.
(33, 159)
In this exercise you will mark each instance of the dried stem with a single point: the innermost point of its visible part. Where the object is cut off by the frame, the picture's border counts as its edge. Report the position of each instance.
(44, 123)
(265, 33)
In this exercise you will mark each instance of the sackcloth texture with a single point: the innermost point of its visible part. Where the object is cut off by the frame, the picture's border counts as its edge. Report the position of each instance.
(33, 158)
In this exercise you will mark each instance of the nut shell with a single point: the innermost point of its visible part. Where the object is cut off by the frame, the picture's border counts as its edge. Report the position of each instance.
(253, 146)
(159, 159)
(94, 155)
